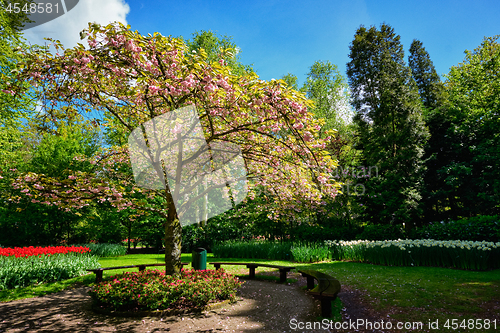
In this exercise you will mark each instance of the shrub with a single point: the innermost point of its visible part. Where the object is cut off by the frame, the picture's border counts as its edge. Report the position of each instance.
(106, 250)
(478, 228)
(24, 271)
(253, 249)
(310, 253)
(456, 254)
(153, 290)
(381, 232)
(312, 234)
(217, 230)
(194, 236)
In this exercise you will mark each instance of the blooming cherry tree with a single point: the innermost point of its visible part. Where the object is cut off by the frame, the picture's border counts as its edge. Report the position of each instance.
(131, 79)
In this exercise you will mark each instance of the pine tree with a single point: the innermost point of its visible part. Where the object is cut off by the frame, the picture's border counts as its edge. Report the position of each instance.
(391, 128)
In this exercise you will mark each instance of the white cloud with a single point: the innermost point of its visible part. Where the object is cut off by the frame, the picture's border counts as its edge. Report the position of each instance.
(67, 27)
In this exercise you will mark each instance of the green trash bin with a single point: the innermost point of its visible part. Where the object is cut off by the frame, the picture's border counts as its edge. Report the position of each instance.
(199, 259)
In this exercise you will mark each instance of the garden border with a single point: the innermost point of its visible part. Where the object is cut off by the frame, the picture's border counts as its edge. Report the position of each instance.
(158, 313)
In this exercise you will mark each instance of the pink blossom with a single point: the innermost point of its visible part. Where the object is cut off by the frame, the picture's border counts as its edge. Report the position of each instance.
(10, 92)
(308, 137)
(153, 89)
(322, 179)
(298, 125)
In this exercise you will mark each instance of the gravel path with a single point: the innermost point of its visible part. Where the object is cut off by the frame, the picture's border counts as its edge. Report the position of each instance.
(263, 306)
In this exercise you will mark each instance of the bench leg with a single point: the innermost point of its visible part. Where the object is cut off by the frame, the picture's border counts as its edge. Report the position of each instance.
(326, 307)
(252, 272)
(98, 276)
(217, 266)
(310, 282)
(282, 275)
(141, 268)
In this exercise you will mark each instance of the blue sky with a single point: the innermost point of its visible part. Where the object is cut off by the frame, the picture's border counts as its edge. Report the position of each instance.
(280, 37)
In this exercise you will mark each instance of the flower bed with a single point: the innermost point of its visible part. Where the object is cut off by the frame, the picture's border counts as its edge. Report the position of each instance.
(153, 290)
(426, 252)
(38, 251)
(21, 271)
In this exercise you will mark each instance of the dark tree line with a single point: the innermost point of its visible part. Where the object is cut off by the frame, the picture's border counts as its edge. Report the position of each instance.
(436, 143)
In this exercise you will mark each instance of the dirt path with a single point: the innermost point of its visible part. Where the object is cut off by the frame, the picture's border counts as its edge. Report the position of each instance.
(264, 306)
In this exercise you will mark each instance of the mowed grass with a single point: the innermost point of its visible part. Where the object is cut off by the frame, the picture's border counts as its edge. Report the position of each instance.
(420, 294)
(402, 293)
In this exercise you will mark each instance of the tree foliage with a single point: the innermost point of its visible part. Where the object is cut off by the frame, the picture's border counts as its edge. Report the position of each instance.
(328, 89)
(220, 49)
(435, 193)
(472, 172)
(428, 82)
(390, 124)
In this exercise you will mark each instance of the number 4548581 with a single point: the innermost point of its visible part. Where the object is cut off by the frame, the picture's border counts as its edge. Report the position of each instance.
(477, 324)
(32, 8)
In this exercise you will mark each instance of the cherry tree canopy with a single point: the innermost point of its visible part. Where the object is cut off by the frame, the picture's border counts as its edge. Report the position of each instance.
(130, 79)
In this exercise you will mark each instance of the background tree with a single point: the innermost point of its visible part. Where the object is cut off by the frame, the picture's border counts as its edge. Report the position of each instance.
(138, 78)
(220, 49)
(471, 175)
(291, 81)
(15, 138)
(430, 87)
(391, 128)
(329, 91)
(435, 195)
(11, 20)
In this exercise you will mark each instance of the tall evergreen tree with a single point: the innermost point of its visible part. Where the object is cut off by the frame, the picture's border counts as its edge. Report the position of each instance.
(435, 195)
(391, 128)
(428, 82)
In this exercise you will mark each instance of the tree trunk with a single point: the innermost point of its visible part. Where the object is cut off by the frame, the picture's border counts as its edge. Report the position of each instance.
(129, 234)
(173, 240)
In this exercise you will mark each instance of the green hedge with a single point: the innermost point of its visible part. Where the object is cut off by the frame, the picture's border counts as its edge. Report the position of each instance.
(381, 232)
(449, 254)
(106, 250)
(478, 228)
(253, 249)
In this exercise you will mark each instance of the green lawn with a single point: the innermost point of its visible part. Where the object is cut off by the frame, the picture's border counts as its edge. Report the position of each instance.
(403, 293)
